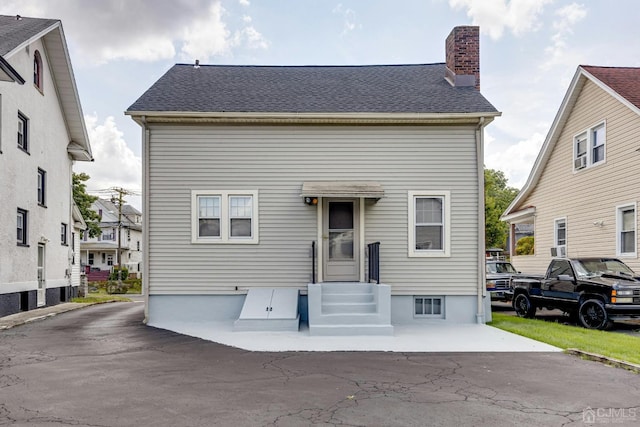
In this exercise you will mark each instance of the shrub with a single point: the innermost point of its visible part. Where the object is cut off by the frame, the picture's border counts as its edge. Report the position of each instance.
(124, 273)
(524, 246)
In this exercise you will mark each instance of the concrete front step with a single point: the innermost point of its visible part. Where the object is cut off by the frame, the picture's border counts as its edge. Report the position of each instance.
(350, 318)
(347, 298)
(350, 330)
(347, 288)
(348, 307)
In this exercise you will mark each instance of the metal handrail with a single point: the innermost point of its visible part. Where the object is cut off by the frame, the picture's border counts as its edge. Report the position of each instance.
(313, 262)
(374, 261)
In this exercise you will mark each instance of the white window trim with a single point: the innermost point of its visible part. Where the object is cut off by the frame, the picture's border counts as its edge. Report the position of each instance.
(24, 122)
(225, 221)
(555, 231)
(446, 244)
(589, 146)
(619, 210)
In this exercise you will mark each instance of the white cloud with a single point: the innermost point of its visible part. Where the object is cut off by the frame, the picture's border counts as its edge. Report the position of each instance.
(558, 53)
(251, 38)
(145, 30)
(150, 49)
(210, 37)
(516, 160)
(205, 38)
(349, 18)
(115, 163)
(493, 16)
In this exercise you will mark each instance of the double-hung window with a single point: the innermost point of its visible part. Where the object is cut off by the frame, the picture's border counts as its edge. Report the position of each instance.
(63, 234)
(589, 147)
(626, 230)
(37, 70)
(560, 233)
(22, 224)
(23, 132)
(42, 185)
(225, 216)
(429, 224)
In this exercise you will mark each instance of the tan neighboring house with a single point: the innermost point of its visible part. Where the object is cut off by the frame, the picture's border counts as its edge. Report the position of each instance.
(582, 195)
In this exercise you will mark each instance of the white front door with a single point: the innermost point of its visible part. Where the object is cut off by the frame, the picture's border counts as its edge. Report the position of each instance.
(42, 284)
(341, 240)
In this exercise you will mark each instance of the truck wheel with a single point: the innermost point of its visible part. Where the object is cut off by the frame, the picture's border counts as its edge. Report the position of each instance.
(592, 315)
(523, 306)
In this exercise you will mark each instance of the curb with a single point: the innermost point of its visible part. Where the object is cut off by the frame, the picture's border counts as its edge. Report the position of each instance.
(9, 322)
(604, 359)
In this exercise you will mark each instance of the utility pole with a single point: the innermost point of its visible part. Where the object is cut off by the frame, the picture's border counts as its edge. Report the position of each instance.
(120, 200)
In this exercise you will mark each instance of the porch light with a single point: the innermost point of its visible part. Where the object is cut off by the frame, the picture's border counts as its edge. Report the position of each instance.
(311, 201)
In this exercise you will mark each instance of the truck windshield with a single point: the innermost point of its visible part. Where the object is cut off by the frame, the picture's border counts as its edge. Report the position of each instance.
(597, 267)
(500, 267)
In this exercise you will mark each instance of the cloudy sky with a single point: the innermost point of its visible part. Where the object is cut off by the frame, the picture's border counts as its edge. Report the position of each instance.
(529, 50)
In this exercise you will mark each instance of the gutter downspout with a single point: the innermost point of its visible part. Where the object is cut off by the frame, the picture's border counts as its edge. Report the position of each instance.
(146, 134)
(482, 288)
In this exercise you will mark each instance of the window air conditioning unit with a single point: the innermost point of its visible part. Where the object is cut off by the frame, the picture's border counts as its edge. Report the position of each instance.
(580, 162)
(559, 251)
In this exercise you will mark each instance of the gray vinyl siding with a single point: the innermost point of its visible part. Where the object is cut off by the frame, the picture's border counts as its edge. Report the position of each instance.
(591, 194)
(275, 161)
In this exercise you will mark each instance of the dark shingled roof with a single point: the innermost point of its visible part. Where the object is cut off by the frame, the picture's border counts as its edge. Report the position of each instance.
(310, 89)
(14, 32)
(624, 80)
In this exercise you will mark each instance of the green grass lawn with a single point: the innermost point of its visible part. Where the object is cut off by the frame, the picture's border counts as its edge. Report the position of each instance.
(610, 344)
(100, 297)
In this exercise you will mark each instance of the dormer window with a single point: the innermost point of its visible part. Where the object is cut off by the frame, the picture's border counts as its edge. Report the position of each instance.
(37, 70)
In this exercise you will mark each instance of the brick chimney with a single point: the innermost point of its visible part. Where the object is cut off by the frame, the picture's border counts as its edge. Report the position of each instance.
(463, 57)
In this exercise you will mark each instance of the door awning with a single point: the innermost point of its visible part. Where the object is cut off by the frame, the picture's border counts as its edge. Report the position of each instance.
(365, 189)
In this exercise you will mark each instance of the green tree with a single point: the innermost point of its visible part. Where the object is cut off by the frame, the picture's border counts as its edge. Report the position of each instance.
(497, 197)
(83, 201)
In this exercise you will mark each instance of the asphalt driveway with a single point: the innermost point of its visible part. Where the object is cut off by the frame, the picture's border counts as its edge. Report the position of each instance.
(100, 366)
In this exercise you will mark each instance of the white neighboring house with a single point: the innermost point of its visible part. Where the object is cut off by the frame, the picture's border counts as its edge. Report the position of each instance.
(42, 133)
(99, 254)
(248, 168)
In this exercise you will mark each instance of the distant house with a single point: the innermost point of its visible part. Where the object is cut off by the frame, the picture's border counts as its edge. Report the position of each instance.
(42, 134)
(120, 229)
(582, 194)
(267, 189)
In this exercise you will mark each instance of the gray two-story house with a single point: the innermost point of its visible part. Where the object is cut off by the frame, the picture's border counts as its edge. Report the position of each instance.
(348, 197)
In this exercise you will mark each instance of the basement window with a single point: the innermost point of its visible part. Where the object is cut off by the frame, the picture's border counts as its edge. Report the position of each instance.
(431, 307)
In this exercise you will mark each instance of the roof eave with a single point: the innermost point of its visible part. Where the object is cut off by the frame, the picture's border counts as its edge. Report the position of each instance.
(610, 91)
(519, 215)
(8, 73)
(79, 152)
(297, 117)
(68, 93)
(32, 39)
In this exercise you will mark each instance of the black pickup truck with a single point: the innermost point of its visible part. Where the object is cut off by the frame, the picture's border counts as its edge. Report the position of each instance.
(596, 291)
